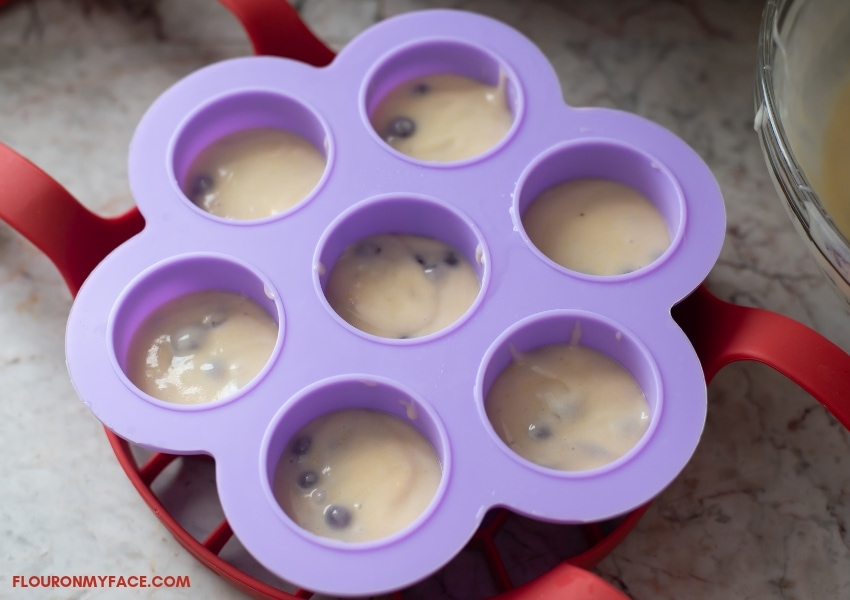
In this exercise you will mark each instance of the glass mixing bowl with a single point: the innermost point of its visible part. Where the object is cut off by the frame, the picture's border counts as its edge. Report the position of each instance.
(804, 60)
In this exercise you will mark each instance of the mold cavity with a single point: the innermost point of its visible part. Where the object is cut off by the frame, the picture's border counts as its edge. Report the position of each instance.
(563, 391)
(402, 268)
(356, 462)
(600, 208)
(187, 335)
(442, 101)
(250, 156)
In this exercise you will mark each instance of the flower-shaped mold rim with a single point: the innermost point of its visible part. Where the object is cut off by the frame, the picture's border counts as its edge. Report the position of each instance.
(253, 510)
(443, 369)
(668, 372)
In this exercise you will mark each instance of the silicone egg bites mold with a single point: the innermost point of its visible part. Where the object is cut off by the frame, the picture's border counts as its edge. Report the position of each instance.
(438, 382)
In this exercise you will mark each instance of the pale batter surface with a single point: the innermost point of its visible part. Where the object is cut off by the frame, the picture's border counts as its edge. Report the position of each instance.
(836, 162)
(401, 286)
(201, 347)
(254, 174)
(567, 407)
(357, 475)
(596, 226)
(443, 117)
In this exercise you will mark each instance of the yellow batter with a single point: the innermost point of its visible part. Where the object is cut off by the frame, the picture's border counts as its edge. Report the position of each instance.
(357, 475)
(596, 226)
(567, 407)
(401, 286)
(201, 347)
(836, 162)
(254, 174)
(443, 118)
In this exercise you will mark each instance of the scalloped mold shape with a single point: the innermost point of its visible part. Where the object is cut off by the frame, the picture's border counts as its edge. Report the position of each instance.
(321, 363)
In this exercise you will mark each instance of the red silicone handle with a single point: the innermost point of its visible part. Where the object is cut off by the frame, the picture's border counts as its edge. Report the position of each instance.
(723, 333)
(276, 29)
(563, 582)
(75, 239)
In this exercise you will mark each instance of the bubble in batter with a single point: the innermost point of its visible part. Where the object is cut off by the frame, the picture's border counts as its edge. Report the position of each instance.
(201, 347)
(567, 407)
(401, 286)
(254, 173)
(596, 226)
(443, 117)
(365, 475)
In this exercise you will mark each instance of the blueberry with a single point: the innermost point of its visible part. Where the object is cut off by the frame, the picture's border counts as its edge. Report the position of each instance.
(308, 479)
(420, 89)
(202, 184)
(187, 339)
(539, 432)
(451, 259)
(401, 127)
(301, 446)
(337, 516)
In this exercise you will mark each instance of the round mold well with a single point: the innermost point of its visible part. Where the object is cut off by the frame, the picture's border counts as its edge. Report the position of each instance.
(609, 160)
(352, 392)
(242, 111)
(177, 277)
(591, 331)
(434, 57)
(402, 214)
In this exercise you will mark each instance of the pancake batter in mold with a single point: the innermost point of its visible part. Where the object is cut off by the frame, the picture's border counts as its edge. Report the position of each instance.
(401, 286)
(357, 475)
(201, 347)
(443, 117)
(596, 226)
(253, 174)
(567, 407)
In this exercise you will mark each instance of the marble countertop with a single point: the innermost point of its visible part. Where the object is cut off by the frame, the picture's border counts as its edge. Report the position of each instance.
(762, 510)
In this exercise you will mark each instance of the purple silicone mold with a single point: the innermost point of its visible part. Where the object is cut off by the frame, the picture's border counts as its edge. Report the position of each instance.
(322, 364)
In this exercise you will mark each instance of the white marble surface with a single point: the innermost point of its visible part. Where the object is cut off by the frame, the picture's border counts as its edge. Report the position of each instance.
(763, 509)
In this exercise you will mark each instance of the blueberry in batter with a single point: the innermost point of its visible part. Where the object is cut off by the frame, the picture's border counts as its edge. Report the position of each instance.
(337, 516)
(400, 286)
(400, 127)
